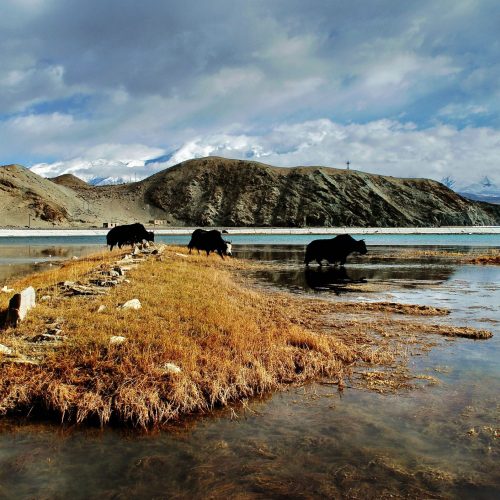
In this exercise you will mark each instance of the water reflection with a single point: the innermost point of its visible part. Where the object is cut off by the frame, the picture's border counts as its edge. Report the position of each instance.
(287, 269)
(329, 278)
(21, 260)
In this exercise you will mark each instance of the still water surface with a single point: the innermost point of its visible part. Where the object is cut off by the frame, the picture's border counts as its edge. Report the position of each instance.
(305, 442)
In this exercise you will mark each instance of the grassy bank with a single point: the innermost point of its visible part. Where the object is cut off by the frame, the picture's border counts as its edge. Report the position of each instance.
(478, 256)
(201, 339)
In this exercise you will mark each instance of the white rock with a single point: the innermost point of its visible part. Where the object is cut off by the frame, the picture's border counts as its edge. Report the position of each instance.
(7, 290)
(181, 255)
(171, 368)
(117, 339)
(5, 350)
(131, 304)
(19, 305)
(44, 298)
(101, 308)
(74, 257)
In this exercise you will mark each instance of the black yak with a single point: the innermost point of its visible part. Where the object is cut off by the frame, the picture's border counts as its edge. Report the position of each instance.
(209, 241)
(334, 250)
(128, 234)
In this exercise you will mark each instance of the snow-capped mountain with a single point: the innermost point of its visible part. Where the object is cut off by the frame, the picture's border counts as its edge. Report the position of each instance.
(484, 190)
(91, 171)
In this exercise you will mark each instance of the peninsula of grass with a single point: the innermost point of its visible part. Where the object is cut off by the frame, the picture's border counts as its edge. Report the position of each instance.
(199, 340)
(202, 338)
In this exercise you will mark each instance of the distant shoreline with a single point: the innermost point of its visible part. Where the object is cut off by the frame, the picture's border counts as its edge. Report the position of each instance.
(9, 233)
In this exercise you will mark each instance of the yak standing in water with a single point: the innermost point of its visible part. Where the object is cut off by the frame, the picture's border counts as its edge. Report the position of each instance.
(128, 234)
(209, 241)
(334, 250)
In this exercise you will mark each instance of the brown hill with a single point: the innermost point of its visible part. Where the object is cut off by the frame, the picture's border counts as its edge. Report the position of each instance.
(223, 192)
(218, 191)
(69, 180)
(26, 197)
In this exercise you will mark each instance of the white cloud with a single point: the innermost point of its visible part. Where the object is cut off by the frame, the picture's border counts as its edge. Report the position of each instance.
(384, 147)
(461, 111)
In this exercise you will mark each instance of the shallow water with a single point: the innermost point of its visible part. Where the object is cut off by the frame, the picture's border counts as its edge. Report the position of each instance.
(19, 260)
(306, 442)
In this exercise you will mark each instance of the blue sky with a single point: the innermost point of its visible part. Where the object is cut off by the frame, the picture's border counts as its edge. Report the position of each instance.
(400, 88)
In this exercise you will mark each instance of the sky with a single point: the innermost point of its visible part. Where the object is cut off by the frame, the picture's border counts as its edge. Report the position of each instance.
(122, 88)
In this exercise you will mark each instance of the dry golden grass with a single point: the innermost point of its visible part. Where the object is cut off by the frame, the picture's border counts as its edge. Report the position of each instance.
(488, 257)
(230, 342)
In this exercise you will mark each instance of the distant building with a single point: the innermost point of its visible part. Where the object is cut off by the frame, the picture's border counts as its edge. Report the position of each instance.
(158, 222)
(109, 224)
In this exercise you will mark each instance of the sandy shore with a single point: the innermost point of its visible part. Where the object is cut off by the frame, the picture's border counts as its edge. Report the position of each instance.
(266, 230)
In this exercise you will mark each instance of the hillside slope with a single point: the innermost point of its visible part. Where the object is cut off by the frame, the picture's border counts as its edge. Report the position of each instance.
(223, 192)
(217, 191)
(26, 197)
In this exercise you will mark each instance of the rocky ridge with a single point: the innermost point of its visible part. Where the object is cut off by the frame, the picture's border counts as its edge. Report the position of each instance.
(216, 191)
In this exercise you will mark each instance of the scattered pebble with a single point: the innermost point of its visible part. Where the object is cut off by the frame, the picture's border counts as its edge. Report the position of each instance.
(117, 339)
(171, 368)
(44, 298)
(5, 289)
(101, 308)
(5, 350)
(48, 337)
(131, 304)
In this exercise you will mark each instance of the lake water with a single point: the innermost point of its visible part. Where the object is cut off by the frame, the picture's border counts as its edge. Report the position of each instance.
(435, 442)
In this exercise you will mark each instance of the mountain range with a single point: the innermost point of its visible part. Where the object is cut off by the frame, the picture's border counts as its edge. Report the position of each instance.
(484, 190)
(217, 191)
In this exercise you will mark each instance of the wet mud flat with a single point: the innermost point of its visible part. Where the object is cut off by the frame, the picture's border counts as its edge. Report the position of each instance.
(439, 440)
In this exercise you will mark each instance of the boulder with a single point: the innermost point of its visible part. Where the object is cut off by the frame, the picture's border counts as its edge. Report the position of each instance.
(19, 305)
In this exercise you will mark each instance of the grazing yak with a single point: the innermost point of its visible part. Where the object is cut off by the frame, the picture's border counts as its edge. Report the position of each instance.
(128, 234)
(209, 241)
(334, 250)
